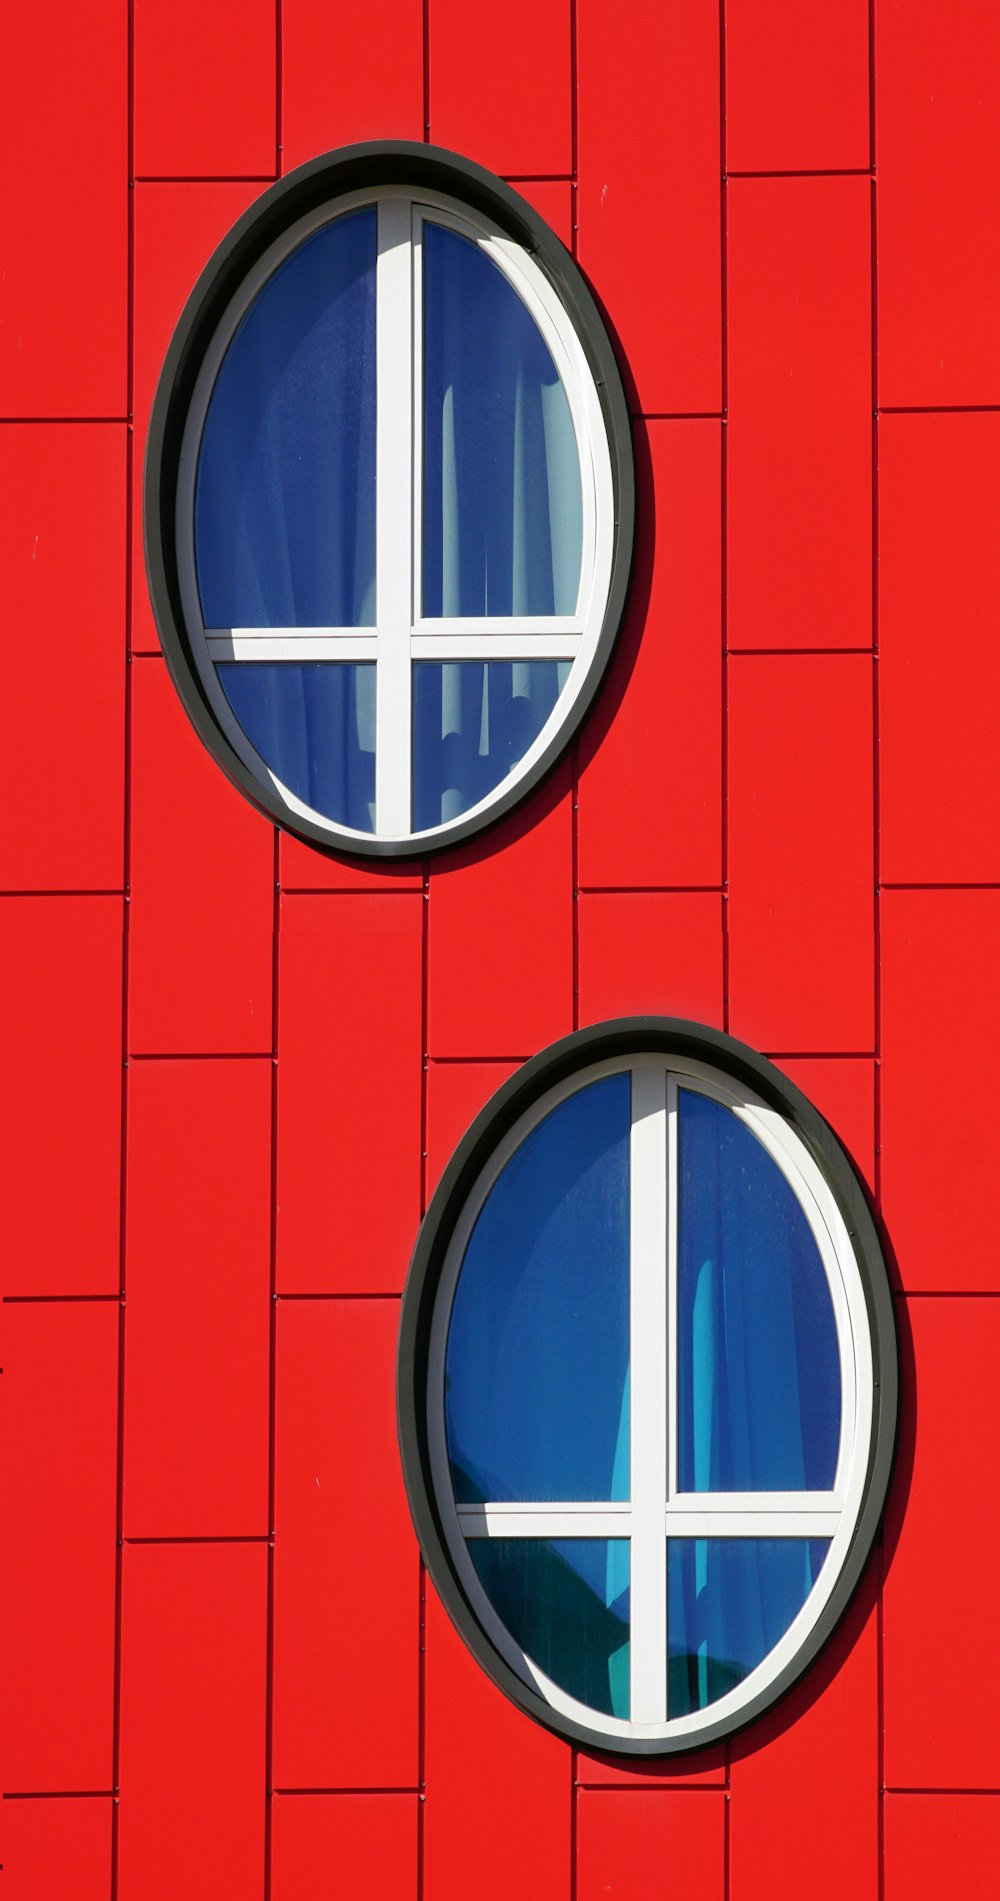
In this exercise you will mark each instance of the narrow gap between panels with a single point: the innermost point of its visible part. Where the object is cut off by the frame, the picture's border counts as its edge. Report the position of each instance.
(272, 1362)
(24, 422)
(126, 930)
(21, 1300)
(105, 891)
(836, 171)
(58, 1795)
(205, 1538)
(206, 178)
(723, 517)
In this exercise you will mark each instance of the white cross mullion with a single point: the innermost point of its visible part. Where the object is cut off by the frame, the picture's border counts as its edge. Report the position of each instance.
(648, 1306)
(394, 357)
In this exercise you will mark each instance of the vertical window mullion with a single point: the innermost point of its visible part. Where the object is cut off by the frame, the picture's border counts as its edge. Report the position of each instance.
(394, 513)
(648, 1324)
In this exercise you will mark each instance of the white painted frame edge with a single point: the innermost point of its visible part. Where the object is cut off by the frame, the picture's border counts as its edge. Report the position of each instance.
(597, 495)
(686, 1514)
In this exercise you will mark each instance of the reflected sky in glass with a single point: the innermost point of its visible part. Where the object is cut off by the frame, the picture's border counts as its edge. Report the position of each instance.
(729, 1601)
(536, 1402)
(502, 515)
(758, 1360)
(473, 721)
(285, 493)
(565, 1602)
(314, 725)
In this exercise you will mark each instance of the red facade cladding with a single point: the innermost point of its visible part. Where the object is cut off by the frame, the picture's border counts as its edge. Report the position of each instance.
(236, 1068)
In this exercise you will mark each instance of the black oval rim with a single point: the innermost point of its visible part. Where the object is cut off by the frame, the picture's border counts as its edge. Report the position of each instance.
(621, 1039)
(310, 188)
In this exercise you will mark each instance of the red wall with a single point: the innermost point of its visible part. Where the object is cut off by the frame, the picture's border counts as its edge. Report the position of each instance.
(782, 818)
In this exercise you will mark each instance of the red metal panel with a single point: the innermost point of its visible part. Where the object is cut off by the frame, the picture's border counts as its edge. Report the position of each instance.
(941, 1844)
(57, 1848)
(498, 1788)
(940, 951)
(59, 1534)
(651, 755)
(302, 868)
(554, 199)
(842, 1088)
(63, 334)
(500, 951)
(177, 227)
(346, 1578)
(799, 516)
(939, 669)
(197, 1321)
(801, 907)
(344, 1845)
(940, 1724)
(938, 209)
(202, 890)
(649, 204)
(205, 102)
(811, 1769)
(455, 1094)
(651, 952)
(192, 1721)
(60, 1153)
(500, 84)
(631, 1843)
(62, 554)
(349, 1088)
(797, 86)
(346, 75)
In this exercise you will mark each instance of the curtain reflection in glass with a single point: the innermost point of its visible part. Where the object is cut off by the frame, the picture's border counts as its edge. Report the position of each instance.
(758, 1363)
(729, 1601)
(314, 725)
(502, 522)
(538, 1345)
(473, 720)
(565, 1601)
(285, 497)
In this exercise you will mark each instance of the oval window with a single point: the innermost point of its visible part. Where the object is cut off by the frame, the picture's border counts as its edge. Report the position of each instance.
(647, 1386)
(389, 501)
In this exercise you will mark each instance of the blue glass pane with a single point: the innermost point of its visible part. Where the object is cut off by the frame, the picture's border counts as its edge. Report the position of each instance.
(502, 515)
(473, 721)
(729, 1600)
(314, 725)
(565, 1602)
(758, 1363)
(285, 498)
(536, 1401)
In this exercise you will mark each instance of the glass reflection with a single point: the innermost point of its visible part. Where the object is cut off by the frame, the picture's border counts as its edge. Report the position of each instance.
(729, 1601)
(314, 725)
(473, 721)
(565, 1602)
(758, 1362)
(536, 1402)
(502, 522)
(285, 496)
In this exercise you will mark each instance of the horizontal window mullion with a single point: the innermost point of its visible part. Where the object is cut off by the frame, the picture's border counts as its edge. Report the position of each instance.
(545, 1521)
(464, 626)
(495, 647)
(779, 1524)
(763, 1502)
(292, 643)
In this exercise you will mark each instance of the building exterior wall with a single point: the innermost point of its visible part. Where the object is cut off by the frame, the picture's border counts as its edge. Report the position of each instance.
(236, 1067)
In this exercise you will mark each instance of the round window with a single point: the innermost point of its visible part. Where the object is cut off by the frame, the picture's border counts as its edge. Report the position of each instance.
(647, 1385)
(389, 501)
